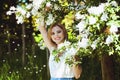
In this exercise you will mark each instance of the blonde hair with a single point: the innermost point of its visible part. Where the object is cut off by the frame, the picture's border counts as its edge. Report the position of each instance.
(59, 25)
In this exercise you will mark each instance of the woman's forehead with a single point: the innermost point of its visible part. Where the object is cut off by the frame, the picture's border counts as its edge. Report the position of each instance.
(56, 28)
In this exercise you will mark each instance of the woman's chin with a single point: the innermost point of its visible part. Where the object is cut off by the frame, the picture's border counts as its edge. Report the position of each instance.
(57, 43)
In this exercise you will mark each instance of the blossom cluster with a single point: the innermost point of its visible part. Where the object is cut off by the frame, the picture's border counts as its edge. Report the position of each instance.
(35, 9)
(100, 25)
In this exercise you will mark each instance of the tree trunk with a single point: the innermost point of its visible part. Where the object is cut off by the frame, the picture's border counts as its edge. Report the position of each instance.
(47, 57)
(107, 67)
(23, 44)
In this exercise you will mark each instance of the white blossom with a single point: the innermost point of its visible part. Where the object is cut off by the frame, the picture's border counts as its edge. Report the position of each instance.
(42, 45)
(67, 43)
(79, 16)
(37, 4)
(28, 15)
(113, 29)
(48, 4)
(114, 3)
(109, 40)
(84, 33)
(20, 19)
(101, 8)
(111, 53)
(56, 7)
(71, 51)
(12, 8)
(29, 6)
(35, 9)
(81, 25)
(50, 19)
(83, 43)
(9, 12)
(94, 44)
(21, 10)
(92, 20)
(104, 17)
(34, 12)
(96, 10)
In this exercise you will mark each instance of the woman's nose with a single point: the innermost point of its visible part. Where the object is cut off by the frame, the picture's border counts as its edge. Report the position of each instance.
(56, 34)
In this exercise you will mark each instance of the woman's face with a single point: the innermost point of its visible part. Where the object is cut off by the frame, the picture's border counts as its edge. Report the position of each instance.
(57, 35)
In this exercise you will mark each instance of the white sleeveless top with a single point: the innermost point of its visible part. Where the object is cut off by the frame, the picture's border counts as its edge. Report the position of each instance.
(60, 69)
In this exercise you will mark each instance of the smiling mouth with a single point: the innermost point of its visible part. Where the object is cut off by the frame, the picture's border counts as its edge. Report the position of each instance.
(57, 38)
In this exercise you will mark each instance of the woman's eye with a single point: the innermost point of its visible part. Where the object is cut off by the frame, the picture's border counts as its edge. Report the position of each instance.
(58, 31)
(53, 33)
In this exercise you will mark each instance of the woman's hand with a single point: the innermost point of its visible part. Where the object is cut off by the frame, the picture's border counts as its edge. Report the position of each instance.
(41, 24)
(77, 70)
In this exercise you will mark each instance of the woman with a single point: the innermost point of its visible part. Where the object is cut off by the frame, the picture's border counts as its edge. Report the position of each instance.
(56, 35)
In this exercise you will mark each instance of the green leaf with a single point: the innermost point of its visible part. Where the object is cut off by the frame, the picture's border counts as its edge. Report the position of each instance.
(68, 20)
(63, 3)
(114, 22)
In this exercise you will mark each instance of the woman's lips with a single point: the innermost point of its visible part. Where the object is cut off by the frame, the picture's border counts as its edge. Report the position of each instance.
(57, 38)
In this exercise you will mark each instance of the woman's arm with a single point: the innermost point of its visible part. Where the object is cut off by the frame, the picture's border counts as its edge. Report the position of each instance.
(77, 70)
(44, 34)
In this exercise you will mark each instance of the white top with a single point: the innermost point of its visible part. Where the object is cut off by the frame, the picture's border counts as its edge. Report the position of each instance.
(60, 69)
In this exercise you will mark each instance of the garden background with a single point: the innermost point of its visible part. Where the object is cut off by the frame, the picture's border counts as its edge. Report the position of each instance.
(21, 58)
